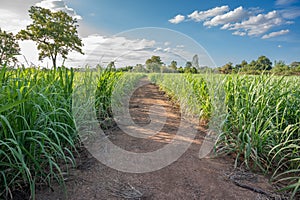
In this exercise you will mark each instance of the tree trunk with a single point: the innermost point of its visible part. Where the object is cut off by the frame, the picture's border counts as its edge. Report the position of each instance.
(54, 62)
(53, 57)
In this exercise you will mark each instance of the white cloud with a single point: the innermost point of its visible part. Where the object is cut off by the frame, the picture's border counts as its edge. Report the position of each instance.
(203, 15)
(240, 33)
(291, 13)
(229, 17)
(285, 2)
(100, 49)
(250, 21)
(259, 24)
(226, 26)
(180, 46)
(12, 22)
(58, 5)
(29, 54)
(14, 16)
(177, 19)
(167, 49)
(103, 49)
(275, 34)
(167, 43)
(158, 49)
(279, 46)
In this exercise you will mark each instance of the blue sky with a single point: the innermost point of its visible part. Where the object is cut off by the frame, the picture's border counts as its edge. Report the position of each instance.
(227, 30)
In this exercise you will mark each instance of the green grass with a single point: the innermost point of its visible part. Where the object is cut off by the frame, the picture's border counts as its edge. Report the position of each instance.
(262, 128)
(257, 117)
(192, 94)
(37, 130)
(111, 88)
(106, 82)
(41, 112)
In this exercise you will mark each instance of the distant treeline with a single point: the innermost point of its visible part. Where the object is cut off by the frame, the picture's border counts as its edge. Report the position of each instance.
(259, 66)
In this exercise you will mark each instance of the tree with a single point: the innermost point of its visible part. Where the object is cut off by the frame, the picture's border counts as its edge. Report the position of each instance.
(165, 69)
(180, 69)
(193, 70)
(153, 67)
(241, 67)
(250, 66)
(280, 67)
(189, 68)
(9, 47)
(195, 62)
(154, 64)
(125, 69)
(154, 59)
(139, 68)
(244, 64)
(111, 66)
(263, 63)
(173, 65)
(295, 64)
(205, 69)
(226, 69)
(188, 64)
(54, 32)
(280, 64)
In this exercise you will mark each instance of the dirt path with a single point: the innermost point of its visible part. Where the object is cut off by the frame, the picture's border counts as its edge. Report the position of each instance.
(187, 178)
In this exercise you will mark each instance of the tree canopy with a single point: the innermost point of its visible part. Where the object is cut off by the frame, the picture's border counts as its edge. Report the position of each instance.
(227, 68)
(9, 47)
(173, 65)
(154, 60)
(54, 32)
(263, 63)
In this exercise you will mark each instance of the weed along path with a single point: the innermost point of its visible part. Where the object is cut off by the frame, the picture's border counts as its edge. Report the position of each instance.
(188, 177)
